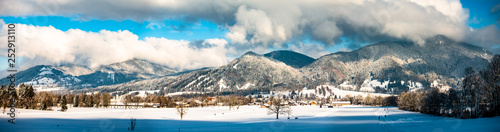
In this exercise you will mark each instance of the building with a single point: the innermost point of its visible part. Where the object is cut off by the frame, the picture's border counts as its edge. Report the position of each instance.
(340, 103)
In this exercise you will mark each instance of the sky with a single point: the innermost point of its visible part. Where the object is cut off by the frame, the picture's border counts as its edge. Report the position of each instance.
(190, 34)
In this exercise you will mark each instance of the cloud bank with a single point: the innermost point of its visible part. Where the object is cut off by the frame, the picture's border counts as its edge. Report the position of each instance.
(47, 45)
(257, 25)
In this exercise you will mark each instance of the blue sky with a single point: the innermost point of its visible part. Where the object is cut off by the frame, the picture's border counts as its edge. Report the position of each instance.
(480, 12)
(239, 20)
(171, 29)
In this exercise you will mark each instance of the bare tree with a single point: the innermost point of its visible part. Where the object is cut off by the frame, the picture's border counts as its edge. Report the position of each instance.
(70, 98)
(97, 99)
(181, 108)
(89, 102)
(106, 99)
(204, 100)
(137, 100)
(368, 100)
(232, 101)
(126, 101)
(378, 100)
(277, 107)
(46, 101)
(81, 101)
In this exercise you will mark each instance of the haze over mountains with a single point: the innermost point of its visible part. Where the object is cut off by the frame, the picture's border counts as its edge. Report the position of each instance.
(390, 66)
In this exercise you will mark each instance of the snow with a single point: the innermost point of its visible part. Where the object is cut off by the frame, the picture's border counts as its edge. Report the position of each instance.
(442, 87)
(246, 118)
(46, 80)
(142, 93)
(222, 84)
(345, 85)
(367, 89)
(201, 76)
(43, 89)
(191, 83)
(45, 71)
(204, 80)
(180, 93)
(306, 91)
(111, 75)
(246, 86)
(370, 84)
(343, 93)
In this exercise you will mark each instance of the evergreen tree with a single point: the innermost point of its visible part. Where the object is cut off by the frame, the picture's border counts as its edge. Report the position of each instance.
(452, 102)
(76, 101)
(4, 97)
(494, 82)
(46, 100)
(30, 94)
(63, 104)
(23, 95)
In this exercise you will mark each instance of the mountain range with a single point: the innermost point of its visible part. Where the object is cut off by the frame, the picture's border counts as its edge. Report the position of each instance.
(73, 76)
(389, 66)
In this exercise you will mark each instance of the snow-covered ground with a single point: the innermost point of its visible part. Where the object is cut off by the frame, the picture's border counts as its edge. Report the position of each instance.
(343, 93)
(246, 118)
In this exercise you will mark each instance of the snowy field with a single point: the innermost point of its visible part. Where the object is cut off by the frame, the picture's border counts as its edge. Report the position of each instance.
(246, 118)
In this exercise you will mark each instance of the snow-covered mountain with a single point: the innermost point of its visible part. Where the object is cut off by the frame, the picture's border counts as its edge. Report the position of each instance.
(73, 76)
(74, 70)
(126, 71)
(141, 68)
(250, 71)
(45, 76)
(397, 62)
(389, 67)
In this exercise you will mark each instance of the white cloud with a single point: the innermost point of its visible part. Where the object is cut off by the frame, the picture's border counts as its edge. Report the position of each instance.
(153, 25)
(488, 37)
(263, 23)
(47, 45)
(257, 24)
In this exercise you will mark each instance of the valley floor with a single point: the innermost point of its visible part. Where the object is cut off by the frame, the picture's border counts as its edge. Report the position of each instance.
(246, 118)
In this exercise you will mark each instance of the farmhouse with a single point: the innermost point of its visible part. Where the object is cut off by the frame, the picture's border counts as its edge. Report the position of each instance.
(341, 103)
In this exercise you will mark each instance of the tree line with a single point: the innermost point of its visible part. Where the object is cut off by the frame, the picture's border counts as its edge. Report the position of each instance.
(478, 97)
(371, 100)
(26, 97)
(233, 101)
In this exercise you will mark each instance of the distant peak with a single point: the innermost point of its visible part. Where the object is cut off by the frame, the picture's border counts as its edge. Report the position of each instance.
(439, 38)
(251, 53)
(41, 66)
(135, 59)
(291, 58)
(282, 51)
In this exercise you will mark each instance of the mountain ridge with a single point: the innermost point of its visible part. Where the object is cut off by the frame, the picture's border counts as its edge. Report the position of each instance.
(396, 66)
(74, 76)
